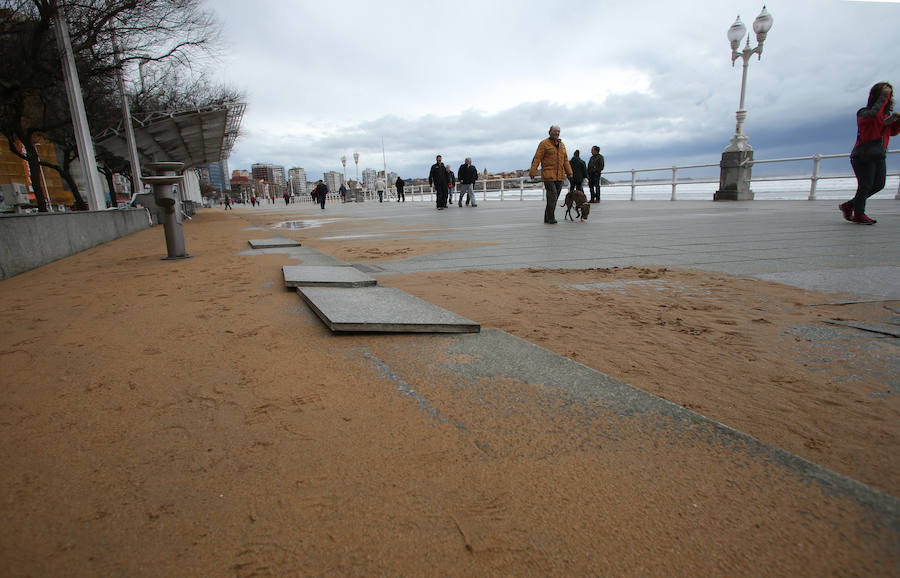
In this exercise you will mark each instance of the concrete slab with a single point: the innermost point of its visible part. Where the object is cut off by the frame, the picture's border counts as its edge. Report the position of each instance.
(869, 282)
(879, 328)
(318, 276)
(382, 309)
(303, 255)
(273, 242)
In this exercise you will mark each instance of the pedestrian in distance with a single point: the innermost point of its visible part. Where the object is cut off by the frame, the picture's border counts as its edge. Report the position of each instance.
(400, 184)
(228, 203)
(579, 172)
(466, 176)
(595, 167)
(554, 165)
(320, 192)
(451, 182)
(287, 199)
(379, 188)
(343, 191)
(876, 123)
(437, 178)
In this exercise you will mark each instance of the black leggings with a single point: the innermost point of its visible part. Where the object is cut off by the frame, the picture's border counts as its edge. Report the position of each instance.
(870, 177)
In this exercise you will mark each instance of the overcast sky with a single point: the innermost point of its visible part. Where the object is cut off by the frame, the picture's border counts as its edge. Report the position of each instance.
(651, 82)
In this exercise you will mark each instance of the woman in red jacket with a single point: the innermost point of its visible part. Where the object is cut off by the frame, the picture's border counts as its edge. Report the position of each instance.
(875, 126)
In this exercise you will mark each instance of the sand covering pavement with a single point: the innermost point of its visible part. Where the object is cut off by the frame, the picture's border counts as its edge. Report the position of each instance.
(194, 417)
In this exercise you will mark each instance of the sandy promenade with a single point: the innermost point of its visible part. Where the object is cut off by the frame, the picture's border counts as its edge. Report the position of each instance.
(195, 418)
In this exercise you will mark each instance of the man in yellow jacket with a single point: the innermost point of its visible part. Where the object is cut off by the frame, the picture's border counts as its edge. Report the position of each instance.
(554, 162)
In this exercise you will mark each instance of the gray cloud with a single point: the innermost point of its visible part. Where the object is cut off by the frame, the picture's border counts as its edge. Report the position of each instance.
(652, 84)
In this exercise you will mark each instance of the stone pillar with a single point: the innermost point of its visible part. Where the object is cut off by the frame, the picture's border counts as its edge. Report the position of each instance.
(163, 184)
(734, 176)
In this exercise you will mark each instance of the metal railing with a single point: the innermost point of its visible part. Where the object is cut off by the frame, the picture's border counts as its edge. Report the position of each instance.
(813, 178)
(522, 188)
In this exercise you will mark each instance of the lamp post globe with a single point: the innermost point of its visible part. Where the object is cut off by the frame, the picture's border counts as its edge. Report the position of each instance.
(356, 161)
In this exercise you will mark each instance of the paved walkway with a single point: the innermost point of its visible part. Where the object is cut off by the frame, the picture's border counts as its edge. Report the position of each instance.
(800, 243)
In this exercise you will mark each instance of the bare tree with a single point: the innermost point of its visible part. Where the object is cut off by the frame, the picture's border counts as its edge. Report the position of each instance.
(172, 33)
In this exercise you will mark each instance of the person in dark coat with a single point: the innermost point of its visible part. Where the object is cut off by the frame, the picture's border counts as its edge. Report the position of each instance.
(595, 168)
(321, 190)
(579, 172)
(437, 178)
(400, 184)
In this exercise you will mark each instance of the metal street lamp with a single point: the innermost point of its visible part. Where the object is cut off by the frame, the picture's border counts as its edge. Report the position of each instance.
(734, 179)
(44, 181)
(356, 160)
(344, 164)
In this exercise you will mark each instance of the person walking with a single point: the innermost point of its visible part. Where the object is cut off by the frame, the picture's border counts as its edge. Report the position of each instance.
(451, 182)
(379, 188)
(437, 178)
(467, 175)
(595, 167)
(554, 164)
(228, 203)
(876, 123)
(287, 199)
(400, 184)
(343, 191)
(321, 191)
(579, 172)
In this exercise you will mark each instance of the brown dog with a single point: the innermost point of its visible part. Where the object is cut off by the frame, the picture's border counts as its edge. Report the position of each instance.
(576, 199)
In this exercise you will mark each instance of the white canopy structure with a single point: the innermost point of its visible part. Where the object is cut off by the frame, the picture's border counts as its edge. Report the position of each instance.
(194, 137)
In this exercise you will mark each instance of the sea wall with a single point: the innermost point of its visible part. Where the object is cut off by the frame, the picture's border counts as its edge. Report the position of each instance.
(29, 241)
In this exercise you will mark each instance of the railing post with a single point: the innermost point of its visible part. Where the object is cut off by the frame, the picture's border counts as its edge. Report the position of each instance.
(815, 177)
(521, 188)
(633, 177)
(674, 179)
(501, 189)
(483, 191)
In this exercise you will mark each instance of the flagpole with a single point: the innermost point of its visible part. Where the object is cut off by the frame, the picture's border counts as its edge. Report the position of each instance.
(384, 161)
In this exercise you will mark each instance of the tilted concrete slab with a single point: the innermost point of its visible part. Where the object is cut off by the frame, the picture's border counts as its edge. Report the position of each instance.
(273, 242)
(319, 276)
(382, 309)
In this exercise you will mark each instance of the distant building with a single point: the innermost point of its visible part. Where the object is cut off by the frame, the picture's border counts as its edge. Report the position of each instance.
(241, 185)
(333, 180)
(262, 172)
(297, 181)
(271, 174)
(216, 174)
(280, 180)
(369, 176)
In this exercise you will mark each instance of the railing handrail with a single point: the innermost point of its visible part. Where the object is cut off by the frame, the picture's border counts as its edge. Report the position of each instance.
(524, 183)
